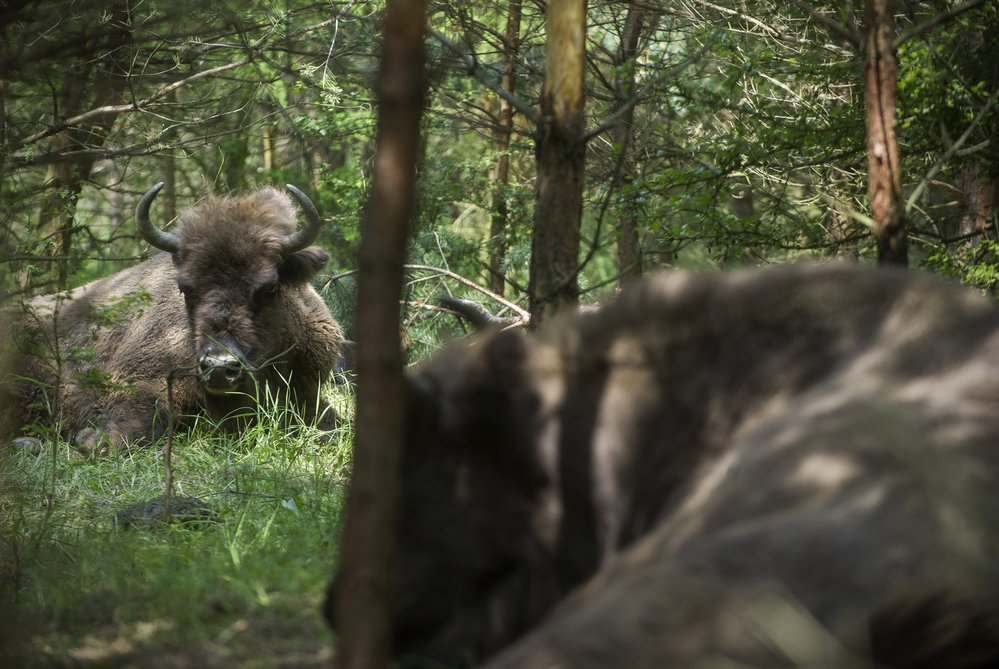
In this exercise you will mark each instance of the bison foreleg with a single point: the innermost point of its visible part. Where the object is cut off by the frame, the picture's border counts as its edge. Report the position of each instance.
(138, 415)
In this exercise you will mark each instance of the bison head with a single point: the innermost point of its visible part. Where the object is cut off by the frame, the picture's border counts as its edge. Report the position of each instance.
(472, 566)
(238, 259)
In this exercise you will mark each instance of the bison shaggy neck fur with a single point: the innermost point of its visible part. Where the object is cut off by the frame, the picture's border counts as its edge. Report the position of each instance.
(228, 293)
(787, 468)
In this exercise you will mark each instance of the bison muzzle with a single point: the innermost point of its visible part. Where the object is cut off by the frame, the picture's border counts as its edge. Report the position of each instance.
(796, 467)
(227, 312)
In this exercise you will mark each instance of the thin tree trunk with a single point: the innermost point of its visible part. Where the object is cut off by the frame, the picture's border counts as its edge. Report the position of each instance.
(269, 151)
(367, 546)
(561, 151)
(107, 74)
(980, 189)
(167, 200)
(3, 109)
(232, 153)
(503, 133)
(979, 184)
(169, 177)
(629, 250)
(883, 166)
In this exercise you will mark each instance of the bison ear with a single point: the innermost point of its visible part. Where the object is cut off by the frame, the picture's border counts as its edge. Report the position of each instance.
(493, 388)
(476, 391)
(301, 266)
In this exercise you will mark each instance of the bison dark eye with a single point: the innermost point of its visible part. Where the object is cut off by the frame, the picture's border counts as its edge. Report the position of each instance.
(266, 292)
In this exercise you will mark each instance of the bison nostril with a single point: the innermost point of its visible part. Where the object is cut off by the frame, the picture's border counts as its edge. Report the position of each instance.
(233, 370)
(220, 372)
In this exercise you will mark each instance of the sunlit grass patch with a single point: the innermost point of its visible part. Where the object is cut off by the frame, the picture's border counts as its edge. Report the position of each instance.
(248, 581)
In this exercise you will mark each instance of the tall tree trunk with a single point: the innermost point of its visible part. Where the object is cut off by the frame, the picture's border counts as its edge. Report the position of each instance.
(104, 67)
(362, 605)
(560, 156)
(629, 250)
(268, 141)
(884, 172)
(3, 108)
(232, 152)
(503, 133)
(979, 184)
(56, 215)
(980, 189)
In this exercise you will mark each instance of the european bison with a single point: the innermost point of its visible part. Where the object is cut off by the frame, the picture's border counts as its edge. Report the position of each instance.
(228, 308)
(791, 467)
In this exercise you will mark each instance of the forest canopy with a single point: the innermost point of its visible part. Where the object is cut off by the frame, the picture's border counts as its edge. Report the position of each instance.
(716, 133)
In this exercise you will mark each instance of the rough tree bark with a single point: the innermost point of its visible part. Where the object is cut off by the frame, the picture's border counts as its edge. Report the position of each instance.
(503, 133)
(560, 152)
(367, 541)
(884, 172)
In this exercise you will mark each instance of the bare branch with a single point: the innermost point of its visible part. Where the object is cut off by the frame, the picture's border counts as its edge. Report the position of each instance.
(933, 22)
(849, 33)
(522, 313)
(989, 107)
(670, 72)
(743, 16)
(163, 91)
(476, 71)
(132, 106)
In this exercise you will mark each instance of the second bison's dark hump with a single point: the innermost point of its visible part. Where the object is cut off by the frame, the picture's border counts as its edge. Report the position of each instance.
(743, 443)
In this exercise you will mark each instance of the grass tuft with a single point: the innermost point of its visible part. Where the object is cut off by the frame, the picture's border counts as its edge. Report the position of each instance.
(244, 589)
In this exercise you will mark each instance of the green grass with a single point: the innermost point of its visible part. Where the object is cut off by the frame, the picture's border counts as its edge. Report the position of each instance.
(77, 589)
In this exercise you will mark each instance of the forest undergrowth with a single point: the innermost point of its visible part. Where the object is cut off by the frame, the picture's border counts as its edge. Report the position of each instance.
(242, 586)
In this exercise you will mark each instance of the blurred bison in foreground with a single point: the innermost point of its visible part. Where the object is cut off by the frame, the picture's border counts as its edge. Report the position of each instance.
(796, 467)
(228, 309)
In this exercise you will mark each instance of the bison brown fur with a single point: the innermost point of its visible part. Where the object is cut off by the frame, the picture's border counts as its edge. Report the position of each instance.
(228, 310)
(749, 469)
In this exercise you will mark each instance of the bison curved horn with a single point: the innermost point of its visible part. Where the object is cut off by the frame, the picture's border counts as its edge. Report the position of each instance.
(165, 241)
(297, 241)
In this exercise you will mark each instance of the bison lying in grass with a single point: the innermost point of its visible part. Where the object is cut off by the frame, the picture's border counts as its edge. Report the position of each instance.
(227, 308)
(796, 467)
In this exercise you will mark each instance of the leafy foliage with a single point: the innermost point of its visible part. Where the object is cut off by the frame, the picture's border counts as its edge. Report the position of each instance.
(747, 135)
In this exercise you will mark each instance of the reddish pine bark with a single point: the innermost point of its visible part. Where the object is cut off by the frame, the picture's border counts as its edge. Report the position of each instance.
(561, 150)
(884, 184)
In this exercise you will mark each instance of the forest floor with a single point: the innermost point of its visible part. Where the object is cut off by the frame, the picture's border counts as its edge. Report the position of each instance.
(241, 588)
(251, 641)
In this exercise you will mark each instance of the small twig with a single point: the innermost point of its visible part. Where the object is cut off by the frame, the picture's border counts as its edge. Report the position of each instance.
(956, 146)
(935, 21)
(670, 73)
(168, 447)
(131, 106)
(475, 70)
(138, 105)
(471, 284)
(522, 313)
(844, 208)
(849, 33)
